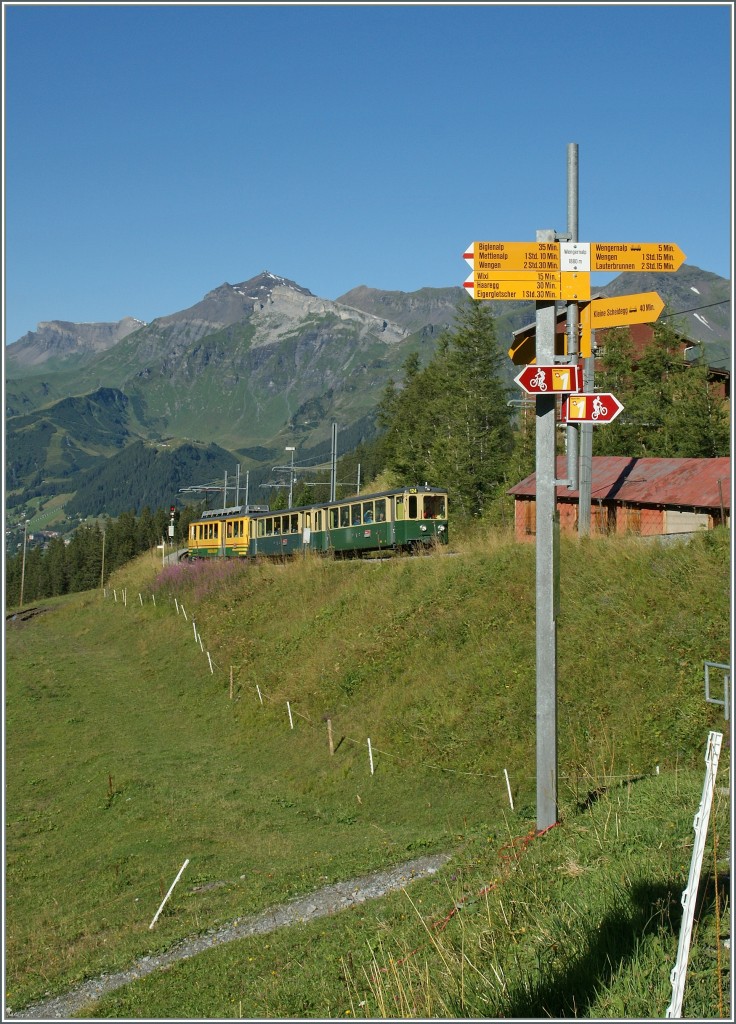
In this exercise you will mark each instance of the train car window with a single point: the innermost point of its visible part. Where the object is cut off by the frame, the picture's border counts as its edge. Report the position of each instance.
(381, 510)
(400, 511)
(295, 523)
(201, 531)
(412, 506)
(217, 530)
(355, 515)
(345, 515)
(434, 506)
(318, 520)
(334, 521)
(277, 525)
(368, 512)
(229, 527)
(192, 532)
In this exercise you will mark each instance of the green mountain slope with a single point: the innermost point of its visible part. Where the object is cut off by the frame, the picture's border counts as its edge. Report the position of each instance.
(147, 473)
(52, 446)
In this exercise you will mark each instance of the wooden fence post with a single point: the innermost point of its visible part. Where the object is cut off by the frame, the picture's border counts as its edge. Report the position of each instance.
(329, 736)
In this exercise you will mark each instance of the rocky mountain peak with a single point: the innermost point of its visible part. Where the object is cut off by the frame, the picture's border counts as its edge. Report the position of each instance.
(60, 338)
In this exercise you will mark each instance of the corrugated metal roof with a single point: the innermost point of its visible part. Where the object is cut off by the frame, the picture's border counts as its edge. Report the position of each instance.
(688, 483)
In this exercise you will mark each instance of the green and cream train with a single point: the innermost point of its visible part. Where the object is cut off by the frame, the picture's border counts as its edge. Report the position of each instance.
(405, 519)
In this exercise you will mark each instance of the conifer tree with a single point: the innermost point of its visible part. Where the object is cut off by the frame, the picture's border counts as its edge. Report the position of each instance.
(670, 408)
(450, 423)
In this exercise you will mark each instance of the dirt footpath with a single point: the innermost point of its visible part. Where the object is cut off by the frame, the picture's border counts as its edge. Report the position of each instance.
(329, 900)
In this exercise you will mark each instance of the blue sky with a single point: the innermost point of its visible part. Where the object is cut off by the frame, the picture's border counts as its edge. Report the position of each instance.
(153, 152)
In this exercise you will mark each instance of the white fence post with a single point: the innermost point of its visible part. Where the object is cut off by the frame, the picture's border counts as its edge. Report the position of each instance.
(508, 787)
(163, 901)
(689, 895)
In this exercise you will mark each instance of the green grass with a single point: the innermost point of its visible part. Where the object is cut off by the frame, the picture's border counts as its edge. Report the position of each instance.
(125, 756)
(582, 921)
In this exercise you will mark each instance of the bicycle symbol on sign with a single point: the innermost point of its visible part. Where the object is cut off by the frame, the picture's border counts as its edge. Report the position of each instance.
(599, 409)
(539, 381)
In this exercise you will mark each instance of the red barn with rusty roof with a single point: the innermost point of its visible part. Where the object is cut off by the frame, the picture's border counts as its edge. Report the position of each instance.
(647, 496)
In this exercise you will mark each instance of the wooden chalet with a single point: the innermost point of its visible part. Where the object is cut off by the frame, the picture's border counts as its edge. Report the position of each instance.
(646, 497)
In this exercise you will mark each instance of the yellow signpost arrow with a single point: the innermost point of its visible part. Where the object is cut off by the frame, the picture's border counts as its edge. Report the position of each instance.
(617, 257)
(524, 285)
(513, 256)
(642, 308)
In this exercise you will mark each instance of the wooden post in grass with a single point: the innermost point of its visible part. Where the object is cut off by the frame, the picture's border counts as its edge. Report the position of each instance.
(258, 689)
(370, 754)
(329, 736)
(291, 720)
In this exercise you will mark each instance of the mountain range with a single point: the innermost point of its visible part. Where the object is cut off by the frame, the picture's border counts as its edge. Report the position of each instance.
(247, 370)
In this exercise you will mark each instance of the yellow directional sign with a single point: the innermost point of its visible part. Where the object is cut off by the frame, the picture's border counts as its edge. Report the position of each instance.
(523, 285)
(617, 257)
(642, 308)
(507, 256)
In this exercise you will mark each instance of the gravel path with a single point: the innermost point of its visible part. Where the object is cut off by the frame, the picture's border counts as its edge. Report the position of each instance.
(329, 900)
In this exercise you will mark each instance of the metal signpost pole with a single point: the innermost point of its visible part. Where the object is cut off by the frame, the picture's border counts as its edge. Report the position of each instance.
(291, 473)
(585, 490)
(546, 573)
(333, 464)
(573, 312)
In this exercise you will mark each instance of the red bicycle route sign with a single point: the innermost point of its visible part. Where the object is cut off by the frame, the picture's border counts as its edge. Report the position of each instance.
(602, 408)
(542, 380)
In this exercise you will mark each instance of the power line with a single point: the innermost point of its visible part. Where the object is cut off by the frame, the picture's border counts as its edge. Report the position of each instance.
(695, 309)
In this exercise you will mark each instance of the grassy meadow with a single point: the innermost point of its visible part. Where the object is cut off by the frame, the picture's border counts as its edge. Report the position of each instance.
(145, 730)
